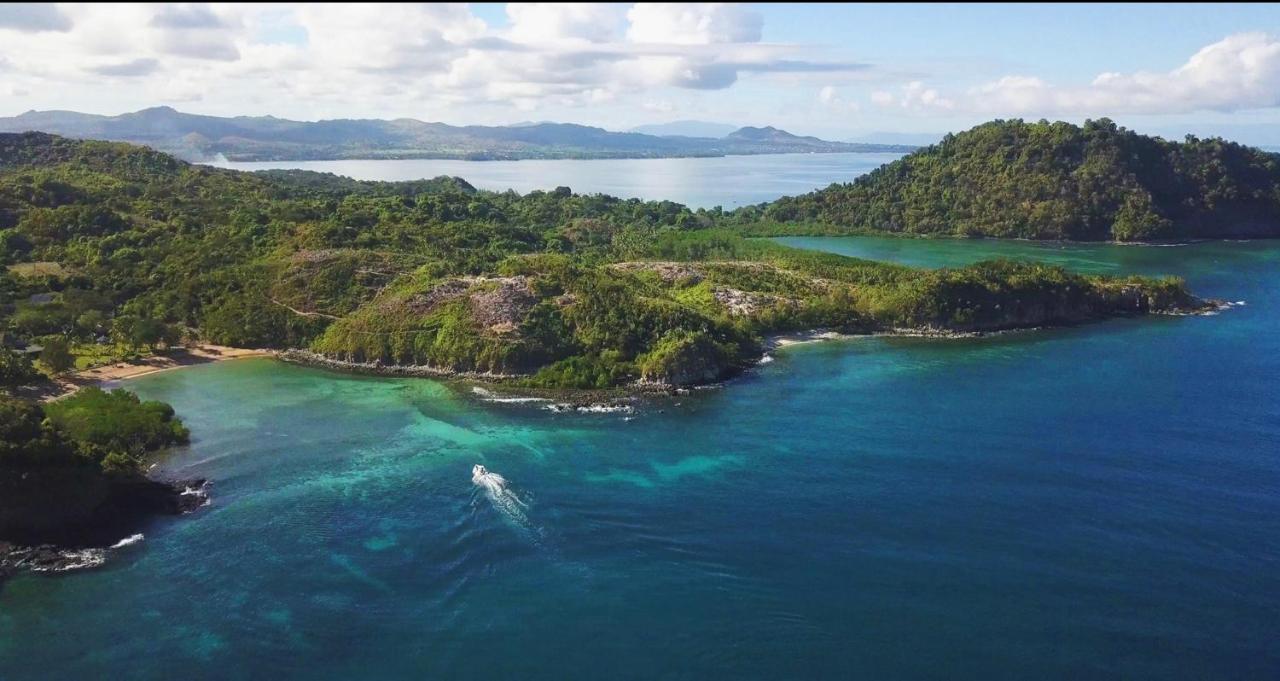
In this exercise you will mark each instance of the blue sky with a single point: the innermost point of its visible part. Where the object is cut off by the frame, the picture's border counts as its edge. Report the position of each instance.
(840, 71)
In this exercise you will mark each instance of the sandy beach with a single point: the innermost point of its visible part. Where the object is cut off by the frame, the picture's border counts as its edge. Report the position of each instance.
(173, 359)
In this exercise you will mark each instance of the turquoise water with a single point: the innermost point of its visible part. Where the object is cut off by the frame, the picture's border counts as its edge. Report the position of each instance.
(1089, 503)
(728, 181)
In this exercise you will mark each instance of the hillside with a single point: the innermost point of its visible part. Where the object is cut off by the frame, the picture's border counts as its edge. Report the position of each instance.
(266, 138)
(1014, 179)
(558, 289)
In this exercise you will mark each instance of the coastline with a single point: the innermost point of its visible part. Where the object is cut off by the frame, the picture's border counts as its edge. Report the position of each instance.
(177, 358)
(206, 353)
(940, 236)
(87, 543)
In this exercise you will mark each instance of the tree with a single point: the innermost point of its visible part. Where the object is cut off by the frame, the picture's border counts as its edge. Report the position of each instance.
(123, 330)
(57, 355)
(138, 332)
(15, 369)
(43, 320)
(92, 322)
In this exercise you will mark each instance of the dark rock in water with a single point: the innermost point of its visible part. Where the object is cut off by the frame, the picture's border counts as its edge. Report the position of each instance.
(47, 558)
(49, 526)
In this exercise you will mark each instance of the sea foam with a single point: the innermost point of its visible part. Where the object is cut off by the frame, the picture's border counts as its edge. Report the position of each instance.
(128, 541)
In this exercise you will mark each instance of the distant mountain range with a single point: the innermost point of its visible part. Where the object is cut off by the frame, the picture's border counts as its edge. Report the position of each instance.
(266, 138)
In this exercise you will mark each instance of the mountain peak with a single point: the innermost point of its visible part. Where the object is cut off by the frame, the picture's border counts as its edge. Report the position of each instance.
(765, 134)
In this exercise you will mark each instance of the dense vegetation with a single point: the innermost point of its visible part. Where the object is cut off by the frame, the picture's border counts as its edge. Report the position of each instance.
(1013, 179)
(111, 431)
(72, 469)
(109, 243)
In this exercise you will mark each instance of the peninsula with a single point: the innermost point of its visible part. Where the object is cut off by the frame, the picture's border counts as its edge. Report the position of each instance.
(114, 247)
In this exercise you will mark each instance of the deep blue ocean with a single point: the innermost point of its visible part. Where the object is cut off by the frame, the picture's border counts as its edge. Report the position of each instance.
(1099, 502)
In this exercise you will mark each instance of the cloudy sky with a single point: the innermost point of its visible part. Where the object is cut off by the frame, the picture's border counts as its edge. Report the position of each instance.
(836, 71)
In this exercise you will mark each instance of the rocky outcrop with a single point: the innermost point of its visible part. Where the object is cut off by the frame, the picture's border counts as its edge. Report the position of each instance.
(53, 518)
(497, 304)
(683, 359)
(745, 303)
(424, 303)
(669, 272)
(502, 304)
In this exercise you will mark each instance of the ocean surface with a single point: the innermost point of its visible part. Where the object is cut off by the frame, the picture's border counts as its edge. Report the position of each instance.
(1100, 502)
(728, 181)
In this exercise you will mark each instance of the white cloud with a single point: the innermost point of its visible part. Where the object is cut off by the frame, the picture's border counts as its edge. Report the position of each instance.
(913, 96)
(1239, 72)
(545, 22)
(390, 58)
(33, 17)
(831, 98)
(693, 23)
(187, 16)
(392, 37)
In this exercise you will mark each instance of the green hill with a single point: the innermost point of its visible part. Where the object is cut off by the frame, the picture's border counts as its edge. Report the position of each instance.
(555, 288)
(1013, 179)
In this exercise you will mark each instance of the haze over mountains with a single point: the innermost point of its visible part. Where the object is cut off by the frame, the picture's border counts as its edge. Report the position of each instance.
(266, 138)
(686, 129)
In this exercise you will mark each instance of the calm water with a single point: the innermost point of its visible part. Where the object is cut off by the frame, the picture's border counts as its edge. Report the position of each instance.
(1092, 503)
(729, 181)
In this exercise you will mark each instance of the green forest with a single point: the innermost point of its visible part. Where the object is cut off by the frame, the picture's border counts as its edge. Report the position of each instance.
(111, 248)
(77, 464)
(1013, 179)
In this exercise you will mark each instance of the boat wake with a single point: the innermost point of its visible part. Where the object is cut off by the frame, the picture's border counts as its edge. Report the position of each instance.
(504, 501)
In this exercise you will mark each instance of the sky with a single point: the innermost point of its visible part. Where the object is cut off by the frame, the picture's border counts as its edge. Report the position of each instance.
(837, 71)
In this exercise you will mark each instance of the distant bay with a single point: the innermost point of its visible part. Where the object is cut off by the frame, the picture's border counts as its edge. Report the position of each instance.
(727, 181)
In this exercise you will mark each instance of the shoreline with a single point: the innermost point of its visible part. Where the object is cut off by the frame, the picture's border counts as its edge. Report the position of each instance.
(206, 353)
(177, 358)
(89, 543)
(938, 236)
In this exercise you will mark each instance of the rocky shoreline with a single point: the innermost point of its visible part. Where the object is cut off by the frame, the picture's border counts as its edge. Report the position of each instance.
(609, 400)
(309, 358)
(86, 544)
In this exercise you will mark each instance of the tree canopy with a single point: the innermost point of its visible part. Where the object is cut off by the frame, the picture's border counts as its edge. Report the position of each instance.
(1014, 179)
